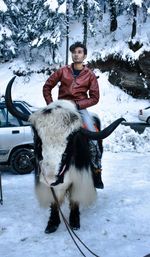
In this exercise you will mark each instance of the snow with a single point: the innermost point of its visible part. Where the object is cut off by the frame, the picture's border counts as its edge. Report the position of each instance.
(53, 4)
(4, 31)
(138, 2)
(3, 6)
(117, 224)
(62, 8)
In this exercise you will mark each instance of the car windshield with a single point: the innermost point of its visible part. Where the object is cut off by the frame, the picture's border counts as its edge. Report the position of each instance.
(30, 107)
(6, 119)
(2, 118)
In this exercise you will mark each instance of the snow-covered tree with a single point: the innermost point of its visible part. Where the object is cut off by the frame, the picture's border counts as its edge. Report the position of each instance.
(89, 13)
(7, 45)
(53, 28)
(32, 25)
(39, 27)
(135, 12)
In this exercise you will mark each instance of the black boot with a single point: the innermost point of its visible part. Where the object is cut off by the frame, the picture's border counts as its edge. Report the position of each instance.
(96, 156)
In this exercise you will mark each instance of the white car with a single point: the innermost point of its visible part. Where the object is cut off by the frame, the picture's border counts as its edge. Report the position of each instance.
(16, 139)
(144, 114)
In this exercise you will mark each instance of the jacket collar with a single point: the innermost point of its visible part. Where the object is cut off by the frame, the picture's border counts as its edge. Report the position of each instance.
(85, 68)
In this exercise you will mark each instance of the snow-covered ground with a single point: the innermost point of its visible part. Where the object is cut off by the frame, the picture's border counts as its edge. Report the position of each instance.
(117, 224)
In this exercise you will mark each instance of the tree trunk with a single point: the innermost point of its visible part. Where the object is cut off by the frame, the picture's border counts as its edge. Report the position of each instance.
(134, 46)
(134, 24)
(67, 31)
(113, 16)
(85, 17)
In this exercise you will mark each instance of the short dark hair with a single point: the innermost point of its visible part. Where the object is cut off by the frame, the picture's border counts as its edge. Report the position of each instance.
(78, 44)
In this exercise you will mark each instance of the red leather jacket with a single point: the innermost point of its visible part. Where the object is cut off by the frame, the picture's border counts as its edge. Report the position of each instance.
(83, 89)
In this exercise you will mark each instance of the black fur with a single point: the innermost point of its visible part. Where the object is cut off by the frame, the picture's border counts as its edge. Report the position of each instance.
(76, 153)
(37, 153)
(54, 220)
(74, 217)
(73, 117)
(47, 111)
(80, 149)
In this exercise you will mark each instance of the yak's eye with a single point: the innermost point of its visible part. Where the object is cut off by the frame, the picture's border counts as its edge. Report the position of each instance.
(73, 117)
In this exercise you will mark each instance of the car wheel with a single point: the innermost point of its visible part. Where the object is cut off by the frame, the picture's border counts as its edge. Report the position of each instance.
(148, 120)
(21, 161)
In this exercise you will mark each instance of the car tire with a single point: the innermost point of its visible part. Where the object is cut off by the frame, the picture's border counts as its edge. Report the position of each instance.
(21, 161)
(148, 120)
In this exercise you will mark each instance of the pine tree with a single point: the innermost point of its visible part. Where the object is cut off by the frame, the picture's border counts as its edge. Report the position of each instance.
(85, 21)
(34, 28)
(88, 12)
(113, 15)
(67, 29)
(7, 44)
(135, 9)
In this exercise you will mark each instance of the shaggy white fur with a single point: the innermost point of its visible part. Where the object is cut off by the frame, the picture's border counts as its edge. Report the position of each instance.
(53, 129)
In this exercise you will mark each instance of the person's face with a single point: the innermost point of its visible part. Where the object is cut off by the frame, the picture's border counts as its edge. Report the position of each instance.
(78, 55)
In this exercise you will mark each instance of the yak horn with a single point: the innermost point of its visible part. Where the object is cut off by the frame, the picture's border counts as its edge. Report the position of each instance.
(104, 133)
(9, 103)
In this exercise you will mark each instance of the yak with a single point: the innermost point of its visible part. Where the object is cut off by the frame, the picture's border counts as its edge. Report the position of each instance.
(62, 157)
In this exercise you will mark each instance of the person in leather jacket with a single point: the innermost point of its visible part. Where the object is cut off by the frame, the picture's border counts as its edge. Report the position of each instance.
(78, 84)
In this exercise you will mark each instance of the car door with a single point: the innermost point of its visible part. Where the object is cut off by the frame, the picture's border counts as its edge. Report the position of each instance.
(11, 133)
